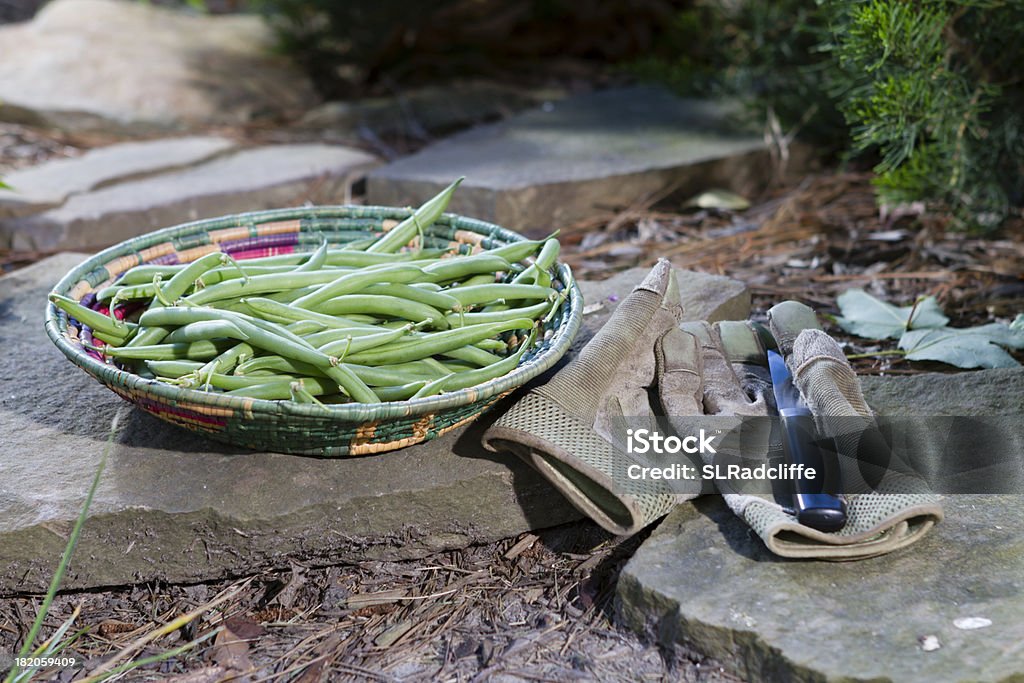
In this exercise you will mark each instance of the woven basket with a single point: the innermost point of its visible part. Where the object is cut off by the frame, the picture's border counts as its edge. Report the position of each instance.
(287, 426)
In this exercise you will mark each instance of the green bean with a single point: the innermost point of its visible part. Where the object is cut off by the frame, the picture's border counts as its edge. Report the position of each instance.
(260, 284)
(401, 392)
(475, 317)
(206, 329)
(473, 355)
(461, 267)
(218, 275)
(262, 334)
(232, 382)
(183, 280)
(538, 273)
(317, 260)
(421, 218)
(438, 300)
(173, 368)
(129, 293)
(363, 259)
(344, 347)
(200, 350)
(492, 345)
(471, 378)
(147, 336)
(353, 282)
(384, 306)
(318, 339)
(226, 361)
(111, 339)
(439, 342)
(94, 319)
(347, 257)
(143, 274)
(276, 363)
(391, 375)
(266, 307)
(437, 369)
(433, 387)
(479, 294)
(277, 340)
(305, 327)
(485, 279)
(279, 389)
(514, 252)
(373, 376)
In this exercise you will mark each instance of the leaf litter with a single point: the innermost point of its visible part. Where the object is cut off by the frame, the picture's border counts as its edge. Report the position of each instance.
(536, 607)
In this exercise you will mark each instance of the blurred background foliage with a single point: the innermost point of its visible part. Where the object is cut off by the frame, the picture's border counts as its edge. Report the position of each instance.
(928, 92)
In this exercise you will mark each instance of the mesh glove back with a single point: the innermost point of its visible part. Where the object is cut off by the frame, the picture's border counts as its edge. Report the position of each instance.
(568, 429)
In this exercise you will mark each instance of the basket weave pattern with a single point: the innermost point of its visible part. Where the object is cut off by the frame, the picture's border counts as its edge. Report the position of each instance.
(287, 426)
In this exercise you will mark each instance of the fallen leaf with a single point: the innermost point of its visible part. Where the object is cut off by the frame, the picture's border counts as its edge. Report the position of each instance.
(971, 623)
(391, 636)
(866, 316)
(230, 651)
(968, 347)
(719, 199)
(370, 599)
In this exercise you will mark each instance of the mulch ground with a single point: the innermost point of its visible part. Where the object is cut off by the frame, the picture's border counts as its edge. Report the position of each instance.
(536, 608)
(540, 607)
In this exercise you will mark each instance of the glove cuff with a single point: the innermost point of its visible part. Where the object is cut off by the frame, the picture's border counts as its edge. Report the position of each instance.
(578, 462)
(878, 523)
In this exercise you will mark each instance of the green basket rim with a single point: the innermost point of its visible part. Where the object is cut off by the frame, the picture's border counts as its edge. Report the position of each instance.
(571, 318)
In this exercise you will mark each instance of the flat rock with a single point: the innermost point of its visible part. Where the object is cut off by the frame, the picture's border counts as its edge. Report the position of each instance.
(424, 112)
(131, 66)
(248, 180)
(704, 296)
(50, 184)
(705, 581)
(554, 165)
(175, 506)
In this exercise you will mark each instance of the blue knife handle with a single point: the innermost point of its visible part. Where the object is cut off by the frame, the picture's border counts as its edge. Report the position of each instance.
(816, 506)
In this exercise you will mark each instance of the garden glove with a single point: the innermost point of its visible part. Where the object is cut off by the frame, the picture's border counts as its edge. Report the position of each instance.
(888, 506)
(570, 428)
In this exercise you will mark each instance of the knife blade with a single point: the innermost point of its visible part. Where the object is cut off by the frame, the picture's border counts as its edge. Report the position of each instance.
(815, 499)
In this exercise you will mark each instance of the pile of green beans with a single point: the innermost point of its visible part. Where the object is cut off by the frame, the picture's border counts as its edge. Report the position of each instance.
(333, 326)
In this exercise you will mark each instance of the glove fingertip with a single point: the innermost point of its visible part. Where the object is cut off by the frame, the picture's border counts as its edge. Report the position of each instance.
(787, 320)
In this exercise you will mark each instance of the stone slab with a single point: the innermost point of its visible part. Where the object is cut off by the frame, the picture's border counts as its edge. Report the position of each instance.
(134, 67)
(704, 296)
(249, 180)
(549, 167)
(175, 506)
(424, 112)
(50, 184)
(705, 581)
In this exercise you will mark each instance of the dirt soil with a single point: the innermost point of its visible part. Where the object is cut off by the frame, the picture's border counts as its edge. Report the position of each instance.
(536, 608)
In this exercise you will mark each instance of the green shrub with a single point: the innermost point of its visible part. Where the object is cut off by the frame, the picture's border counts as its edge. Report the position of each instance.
(930, 89)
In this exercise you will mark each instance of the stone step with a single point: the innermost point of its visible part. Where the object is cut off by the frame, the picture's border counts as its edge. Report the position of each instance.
(248, 180)
(705, 581)
(50, 184)
(174, 506)
(173, 70)
(549, 167)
